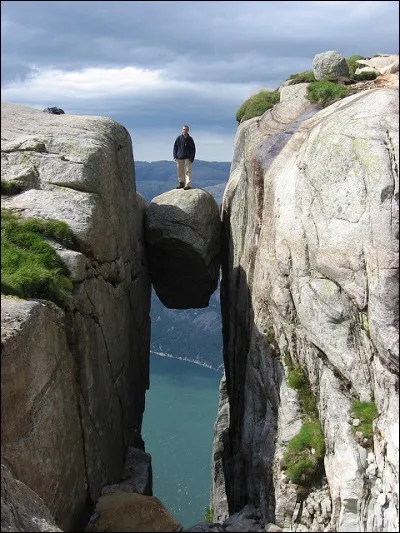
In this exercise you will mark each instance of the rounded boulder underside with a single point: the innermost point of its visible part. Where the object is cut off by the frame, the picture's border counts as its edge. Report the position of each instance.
(183, 233)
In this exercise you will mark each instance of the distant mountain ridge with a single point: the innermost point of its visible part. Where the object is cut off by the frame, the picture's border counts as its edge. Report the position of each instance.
(154, 178)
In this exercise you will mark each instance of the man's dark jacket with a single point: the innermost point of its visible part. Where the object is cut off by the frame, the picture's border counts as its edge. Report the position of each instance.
(184, 148)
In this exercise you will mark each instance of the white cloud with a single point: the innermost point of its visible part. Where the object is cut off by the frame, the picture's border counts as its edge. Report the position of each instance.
(112, 83)
(86, 83)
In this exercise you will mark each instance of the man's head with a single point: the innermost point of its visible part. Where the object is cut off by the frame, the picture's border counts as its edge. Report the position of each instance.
(185, 130)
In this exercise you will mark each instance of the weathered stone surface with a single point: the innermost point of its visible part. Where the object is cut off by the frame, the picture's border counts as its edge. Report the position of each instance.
(330, 65)
(365, 70)
(219, 503)
(137, 474)
(40, 428)
(247, 519)
(79, 169)
(310, 222)
(21, 508)
(183, 244)
(244, 196)
(124, 511)
(383, 64)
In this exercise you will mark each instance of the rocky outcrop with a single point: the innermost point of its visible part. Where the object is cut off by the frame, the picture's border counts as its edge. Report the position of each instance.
(183, 231)
(330, 65)
(128, 505)
(41, 434)
(137, 475)
(310, 281)
(21, 508)
(247, 519)
(382, 64)
(219, 503)
(122, 511)
(74, 380)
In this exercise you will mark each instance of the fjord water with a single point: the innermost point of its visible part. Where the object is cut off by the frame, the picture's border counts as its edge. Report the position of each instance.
(181, 408)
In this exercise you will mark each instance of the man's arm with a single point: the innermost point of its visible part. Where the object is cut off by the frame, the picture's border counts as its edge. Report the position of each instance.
(175, 151)
(193, 154)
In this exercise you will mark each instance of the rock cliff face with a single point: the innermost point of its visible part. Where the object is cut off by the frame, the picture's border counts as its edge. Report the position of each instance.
(310, 283)
(74, 380)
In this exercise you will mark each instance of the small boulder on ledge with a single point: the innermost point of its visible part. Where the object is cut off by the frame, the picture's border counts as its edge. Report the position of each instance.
(183, 235)
(123, 511)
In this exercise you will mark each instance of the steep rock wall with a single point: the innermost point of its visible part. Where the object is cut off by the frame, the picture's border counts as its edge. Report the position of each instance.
(87, 365)
(310, 277)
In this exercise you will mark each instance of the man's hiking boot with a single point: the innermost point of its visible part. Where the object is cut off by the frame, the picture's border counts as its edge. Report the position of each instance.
(180, 186)
(186, 187)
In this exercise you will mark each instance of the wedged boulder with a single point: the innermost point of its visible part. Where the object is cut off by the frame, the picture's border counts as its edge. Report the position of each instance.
(330, 65)
(21, 508)
(183, 231)
(123, 511)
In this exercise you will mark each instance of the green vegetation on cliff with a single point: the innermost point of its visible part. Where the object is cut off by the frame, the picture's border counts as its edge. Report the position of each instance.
(257, 104)
(302, 77)
(304, 454)
(326, 92)
(353, 65)
(298, 380)
(208, 515)
(303, 457)
(30, 267)
(365, 412)
(8, 188)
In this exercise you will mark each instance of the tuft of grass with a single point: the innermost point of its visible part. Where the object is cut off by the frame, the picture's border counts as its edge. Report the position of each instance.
(298, 380)
(30, 267)
(366, 412)
(365, 323)
(9, 188)
(257, 104)
(287, 359)
(326, 92)
(208, 515)
(302, 77)
(303, 457)
(353, 66)
(366, 75)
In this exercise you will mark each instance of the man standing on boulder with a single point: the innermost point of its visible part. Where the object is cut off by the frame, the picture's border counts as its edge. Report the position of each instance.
(184, 152)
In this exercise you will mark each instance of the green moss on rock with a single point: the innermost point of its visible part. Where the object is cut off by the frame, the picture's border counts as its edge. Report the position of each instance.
(30, 267)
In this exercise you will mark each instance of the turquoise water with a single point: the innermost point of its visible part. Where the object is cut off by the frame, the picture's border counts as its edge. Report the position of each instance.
(178, 425)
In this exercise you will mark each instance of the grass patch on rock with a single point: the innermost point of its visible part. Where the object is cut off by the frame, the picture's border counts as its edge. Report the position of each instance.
(302, 77)
(8, 188)
(365, 413)
(304, 455)
(325, 93)
(208, 515)
(30, 267)
(303, 458)
(353, 65)
(257, 104)
(298, 380)
(366, 75)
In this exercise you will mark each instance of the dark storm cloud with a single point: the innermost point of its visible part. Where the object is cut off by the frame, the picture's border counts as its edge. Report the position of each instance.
(190, 37)
(204, 58)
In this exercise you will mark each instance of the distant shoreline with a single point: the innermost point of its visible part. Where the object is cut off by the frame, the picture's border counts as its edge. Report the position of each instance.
(194, 361)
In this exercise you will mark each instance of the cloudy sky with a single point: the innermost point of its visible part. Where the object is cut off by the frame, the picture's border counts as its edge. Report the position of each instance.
(154, 66)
